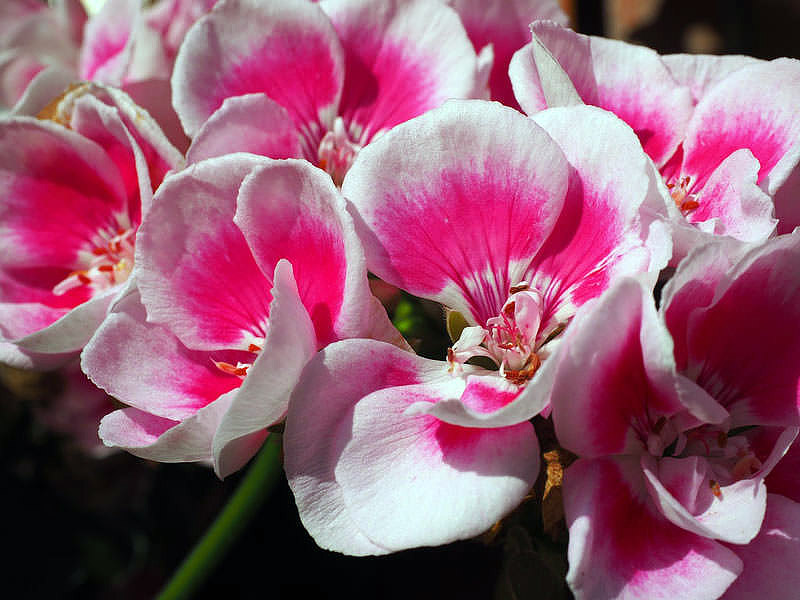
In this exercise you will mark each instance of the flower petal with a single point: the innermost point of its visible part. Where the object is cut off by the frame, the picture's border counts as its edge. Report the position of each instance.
(621, 547)
(412, 480)
(771, 559)
(758, 304)
(290, 209)
(453, 205)
(250, 123)
(319, 424)
(164, 440)
(735, 114)
(264, 395)
(196, 274)
(395, 65)
(285, 49)
(628, 80)
(145, 366)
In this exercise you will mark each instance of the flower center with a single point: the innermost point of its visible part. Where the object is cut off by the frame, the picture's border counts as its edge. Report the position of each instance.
(337, 152)
(730, 455)
(110, 264)
(240, 368)
(684, 200)
(507, 339)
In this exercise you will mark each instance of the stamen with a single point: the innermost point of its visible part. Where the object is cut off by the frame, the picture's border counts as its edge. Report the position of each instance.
(715, 488)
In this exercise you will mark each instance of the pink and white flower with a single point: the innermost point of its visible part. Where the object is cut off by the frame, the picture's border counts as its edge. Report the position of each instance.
(75, 189)
(668, 413)
(295, 79)
(512, 222)
(246, 267)
(723, 148)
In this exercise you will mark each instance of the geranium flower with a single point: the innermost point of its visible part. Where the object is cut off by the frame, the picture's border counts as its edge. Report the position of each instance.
(75, 188)
(722, 159)
(666, 410)
(246, 267)
(514, 223)
(296, 79)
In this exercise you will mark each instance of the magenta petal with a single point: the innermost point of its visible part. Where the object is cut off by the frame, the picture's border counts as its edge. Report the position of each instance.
(630, 81)
(264, 395)
(453, 205)
(693, 286)
(599, 235)
(286, 49)
(196, 273)
(742, 210)
(291, 210)
(621, 547)
(771, 559)
(506, 26)
(631, 375)
(412, 480)
(395, 65)
(735, 114)
(145, 366)
(251, 123)
(758, 304)
(47, 172)
(319, 424)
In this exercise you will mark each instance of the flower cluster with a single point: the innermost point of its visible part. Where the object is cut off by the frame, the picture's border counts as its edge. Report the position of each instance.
(194, 199)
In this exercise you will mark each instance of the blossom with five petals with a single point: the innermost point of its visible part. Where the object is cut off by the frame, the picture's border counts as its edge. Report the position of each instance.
(246, 266)
(678, 417)
(510, 222)
(295, 79)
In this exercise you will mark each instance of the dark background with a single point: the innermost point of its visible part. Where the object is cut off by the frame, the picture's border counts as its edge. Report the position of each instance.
(75, 526)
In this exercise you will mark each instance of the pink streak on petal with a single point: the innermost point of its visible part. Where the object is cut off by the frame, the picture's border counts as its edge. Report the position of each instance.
(450, 228)
(620, 547)
(287, 50)
(145, 366)
(291, 210)
(736, 114)
(487, 396)
(395, 65)
(758, 305)
(197, 275)
(60, 190)
(506, 26)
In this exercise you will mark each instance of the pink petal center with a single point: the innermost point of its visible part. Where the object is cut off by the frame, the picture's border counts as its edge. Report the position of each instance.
(337, 152)
(108, 263)
(509, 339)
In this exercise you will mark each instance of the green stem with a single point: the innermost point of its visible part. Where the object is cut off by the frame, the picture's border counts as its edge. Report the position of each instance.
(257, 484)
